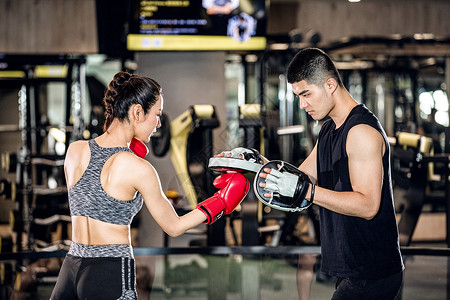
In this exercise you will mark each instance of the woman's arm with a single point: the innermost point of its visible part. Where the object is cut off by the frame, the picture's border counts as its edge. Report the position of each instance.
(146, 181)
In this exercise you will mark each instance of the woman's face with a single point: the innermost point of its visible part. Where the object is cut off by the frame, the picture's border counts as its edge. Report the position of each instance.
(152, 121)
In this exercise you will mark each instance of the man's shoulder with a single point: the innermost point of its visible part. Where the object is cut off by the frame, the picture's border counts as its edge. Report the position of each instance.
(362, 115)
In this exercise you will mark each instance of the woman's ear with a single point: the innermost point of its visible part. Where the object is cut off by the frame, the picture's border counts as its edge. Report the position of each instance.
(137, 112)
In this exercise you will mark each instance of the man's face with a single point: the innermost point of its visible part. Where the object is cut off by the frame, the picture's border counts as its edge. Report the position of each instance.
(315, 100)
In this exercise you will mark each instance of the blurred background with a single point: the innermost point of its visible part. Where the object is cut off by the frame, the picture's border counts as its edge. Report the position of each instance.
(223, 78)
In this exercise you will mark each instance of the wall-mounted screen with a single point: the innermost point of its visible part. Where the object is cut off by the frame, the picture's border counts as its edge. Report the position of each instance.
(197, 25)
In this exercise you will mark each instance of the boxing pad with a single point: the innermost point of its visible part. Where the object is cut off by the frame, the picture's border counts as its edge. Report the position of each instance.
(248, 154)
(286, 184)
(233, 189)
(138, 147)
(237, 160)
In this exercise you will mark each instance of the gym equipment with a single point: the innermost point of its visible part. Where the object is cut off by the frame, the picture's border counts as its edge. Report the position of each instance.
(411, 173)
(39, 173)
(9, 162)
(248, 154)
(200, 118)
(250, 120)
(6, 244)
(15, 221)
(8, 189)
(295, 185)
(227, 164)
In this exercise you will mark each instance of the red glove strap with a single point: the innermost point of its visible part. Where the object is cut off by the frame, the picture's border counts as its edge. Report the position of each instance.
(139, 148)
(213, 208)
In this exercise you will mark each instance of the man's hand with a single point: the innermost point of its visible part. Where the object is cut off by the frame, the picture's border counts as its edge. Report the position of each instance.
(248, 154)
(282, 186)
(240, 160)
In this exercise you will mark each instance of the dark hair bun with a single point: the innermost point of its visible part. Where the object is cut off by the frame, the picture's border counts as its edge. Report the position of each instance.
(126, 89)
(114, 88)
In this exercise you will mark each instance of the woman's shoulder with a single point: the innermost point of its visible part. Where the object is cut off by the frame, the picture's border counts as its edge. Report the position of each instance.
(79, 144)
(134, 170)
(77, 148)
(76, 152)
(128, 160)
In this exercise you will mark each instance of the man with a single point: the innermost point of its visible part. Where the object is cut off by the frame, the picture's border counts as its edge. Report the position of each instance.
(220, 7)
(350, 165)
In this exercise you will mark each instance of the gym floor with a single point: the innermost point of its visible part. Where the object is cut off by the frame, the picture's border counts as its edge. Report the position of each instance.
(186, 277)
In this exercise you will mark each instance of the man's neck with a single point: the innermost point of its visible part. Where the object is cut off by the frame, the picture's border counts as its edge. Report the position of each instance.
(344, 105)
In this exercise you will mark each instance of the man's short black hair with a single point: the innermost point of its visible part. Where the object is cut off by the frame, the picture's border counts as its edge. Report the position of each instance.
(312, 65)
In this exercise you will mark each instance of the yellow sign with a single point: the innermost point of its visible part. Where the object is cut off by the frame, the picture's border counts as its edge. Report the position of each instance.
(141, 42)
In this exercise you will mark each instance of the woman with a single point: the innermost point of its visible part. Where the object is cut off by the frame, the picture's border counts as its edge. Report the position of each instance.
(102, 175)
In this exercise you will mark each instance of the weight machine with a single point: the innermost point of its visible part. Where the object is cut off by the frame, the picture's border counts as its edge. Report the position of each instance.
(40, 218)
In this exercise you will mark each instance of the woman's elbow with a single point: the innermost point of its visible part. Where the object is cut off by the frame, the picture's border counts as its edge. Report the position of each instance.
(174, 231)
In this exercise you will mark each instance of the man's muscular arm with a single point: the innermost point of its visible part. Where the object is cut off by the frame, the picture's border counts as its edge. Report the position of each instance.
(309, 165)
(365, 149)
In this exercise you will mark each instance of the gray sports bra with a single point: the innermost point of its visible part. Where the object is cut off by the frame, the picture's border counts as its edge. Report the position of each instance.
(88, 198)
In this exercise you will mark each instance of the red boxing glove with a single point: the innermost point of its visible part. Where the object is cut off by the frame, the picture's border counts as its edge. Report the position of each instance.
(138, 147)
(233, 189)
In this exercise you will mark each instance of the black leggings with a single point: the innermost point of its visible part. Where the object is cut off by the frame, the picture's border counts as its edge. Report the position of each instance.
(96, 278)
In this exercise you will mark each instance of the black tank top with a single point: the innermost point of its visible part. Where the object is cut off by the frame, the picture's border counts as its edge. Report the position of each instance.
(351, 246)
